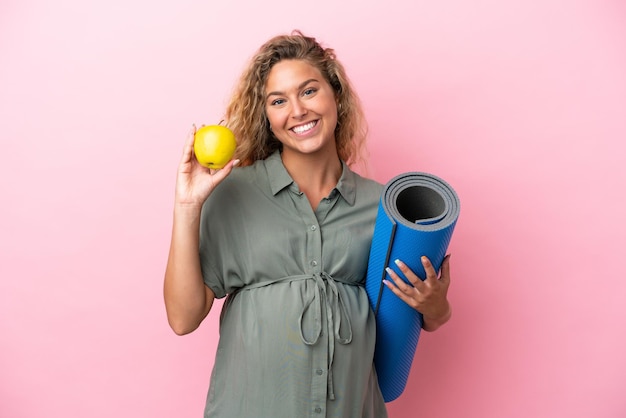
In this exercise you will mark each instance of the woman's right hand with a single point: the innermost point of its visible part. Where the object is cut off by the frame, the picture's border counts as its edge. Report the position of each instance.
(194, 182)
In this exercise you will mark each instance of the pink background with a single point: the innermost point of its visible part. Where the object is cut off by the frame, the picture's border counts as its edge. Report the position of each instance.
(520, 105)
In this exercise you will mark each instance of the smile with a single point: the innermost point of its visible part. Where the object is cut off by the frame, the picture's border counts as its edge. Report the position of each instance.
(304, 128)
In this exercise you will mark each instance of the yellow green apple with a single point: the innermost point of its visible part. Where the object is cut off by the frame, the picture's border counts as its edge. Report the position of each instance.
(214, 146)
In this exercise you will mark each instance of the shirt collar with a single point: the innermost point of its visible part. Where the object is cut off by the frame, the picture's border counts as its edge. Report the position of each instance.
(279, 178)
(277, 173)
(347, 184)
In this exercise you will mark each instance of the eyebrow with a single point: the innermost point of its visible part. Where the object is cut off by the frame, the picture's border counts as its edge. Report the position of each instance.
(280, 93)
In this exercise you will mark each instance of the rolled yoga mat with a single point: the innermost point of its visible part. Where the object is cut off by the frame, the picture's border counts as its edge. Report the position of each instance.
(416, 217)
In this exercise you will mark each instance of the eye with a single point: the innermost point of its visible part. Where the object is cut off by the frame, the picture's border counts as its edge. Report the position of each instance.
(277, 102)
(309, 91)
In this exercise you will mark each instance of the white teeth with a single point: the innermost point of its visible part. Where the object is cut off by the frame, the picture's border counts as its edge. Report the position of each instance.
(303, 128)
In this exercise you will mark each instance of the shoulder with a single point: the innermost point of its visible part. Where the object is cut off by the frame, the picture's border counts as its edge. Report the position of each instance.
(248, 176)
(243, 184)
(358, 190)
(366, 186)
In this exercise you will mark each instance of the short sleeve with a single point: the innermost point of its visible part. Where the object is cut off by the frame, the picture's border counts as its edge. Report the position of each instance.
(207, 263)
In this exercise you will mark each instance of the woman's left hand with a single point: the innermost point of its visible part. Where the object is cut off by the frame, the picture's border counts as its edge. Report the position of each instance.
(430, 296)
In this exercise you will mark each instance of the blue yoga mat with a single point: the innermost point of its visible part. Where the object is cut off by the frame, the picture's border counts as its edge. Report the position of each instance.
(416, 217)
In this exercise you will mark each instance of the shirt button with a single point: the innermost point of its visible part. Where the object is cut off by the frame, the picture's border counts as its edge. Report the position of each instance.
(318, 410)
(313, 227)
(319, 372)
(314, 263)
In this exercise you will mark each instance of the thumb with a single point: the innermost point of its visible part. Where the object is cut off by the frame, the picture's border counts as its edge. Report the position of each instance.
(444, 275)
(221, 174)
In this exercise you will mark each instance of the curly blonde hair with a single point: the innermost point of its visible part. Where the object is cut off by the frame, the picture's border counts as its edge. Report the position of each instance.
(245, 113)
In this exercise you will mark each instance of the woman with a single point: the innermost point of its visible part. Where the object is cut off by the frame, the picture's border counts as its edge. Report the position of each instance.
(286, 237)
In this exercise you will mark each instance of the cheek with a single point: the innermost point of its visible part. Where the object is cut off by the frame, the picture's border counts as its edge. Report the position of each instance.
(332, 112)
(274, 117)
(333, 118)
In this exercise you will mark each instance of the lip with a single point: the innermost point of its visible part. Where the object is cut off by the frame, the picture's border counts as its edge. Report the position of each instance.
(308, 132)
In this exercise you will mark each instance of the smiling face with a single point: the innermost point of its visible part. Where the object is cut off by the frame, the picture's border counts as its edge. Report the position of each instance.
(301, 108)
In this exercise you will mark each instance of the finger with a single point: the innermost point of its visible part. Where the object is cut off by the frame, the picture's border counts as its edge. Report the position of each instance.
(400, 284)
(431, 273)
(444, 277)
(399, 293)
(188, 148)
(408, 273)
(219, 175)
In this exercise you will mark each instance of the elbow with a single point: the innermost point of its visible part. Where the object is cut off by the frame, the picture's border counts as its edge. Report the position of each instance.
(181, 328)
(181, 325)
(187, 318)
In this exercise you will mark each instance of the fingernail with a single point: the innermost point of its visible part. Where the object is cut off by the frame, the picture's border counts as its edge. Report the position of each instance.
(398, 262)
(236, 163)
(388, 270)
(386, 282)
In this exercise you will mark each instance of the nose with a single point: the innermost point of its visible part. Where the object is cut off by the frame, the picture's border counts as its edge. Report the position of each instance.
(298, 110)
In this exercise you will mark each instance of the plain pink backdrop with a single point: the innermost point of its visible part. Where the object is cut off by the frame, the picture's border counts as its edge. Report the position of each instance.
(520, 105)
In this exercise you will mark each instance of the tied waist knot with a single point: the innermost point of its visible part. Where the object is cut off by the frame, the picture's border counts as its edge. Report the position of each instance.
(327, 297)
(326, 301)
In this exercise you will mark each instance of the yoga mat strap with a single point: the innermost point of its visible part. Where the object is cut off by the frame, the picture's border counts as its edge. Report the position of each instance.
(384, 272)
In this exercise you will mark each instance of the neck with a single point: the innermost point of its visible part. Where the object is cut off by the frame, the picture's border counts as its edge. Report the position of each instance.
(315, 174)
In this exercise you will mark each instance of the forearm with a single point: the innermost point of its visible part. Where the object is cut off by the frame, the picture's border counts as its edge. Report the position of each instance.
(187, 299)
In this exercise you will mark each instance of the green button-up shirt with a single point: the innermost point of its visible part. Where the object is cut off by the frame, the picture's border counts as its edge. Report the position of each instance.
(297, 333)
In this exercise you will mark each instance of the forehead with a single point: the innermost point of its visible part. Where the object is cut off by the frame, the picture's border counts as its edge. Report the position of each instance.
(289, 74)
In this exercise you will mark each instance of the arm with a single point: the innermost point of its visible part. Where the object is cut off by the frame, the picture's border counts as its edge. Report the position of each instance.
(429, 296)
(187, 299)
